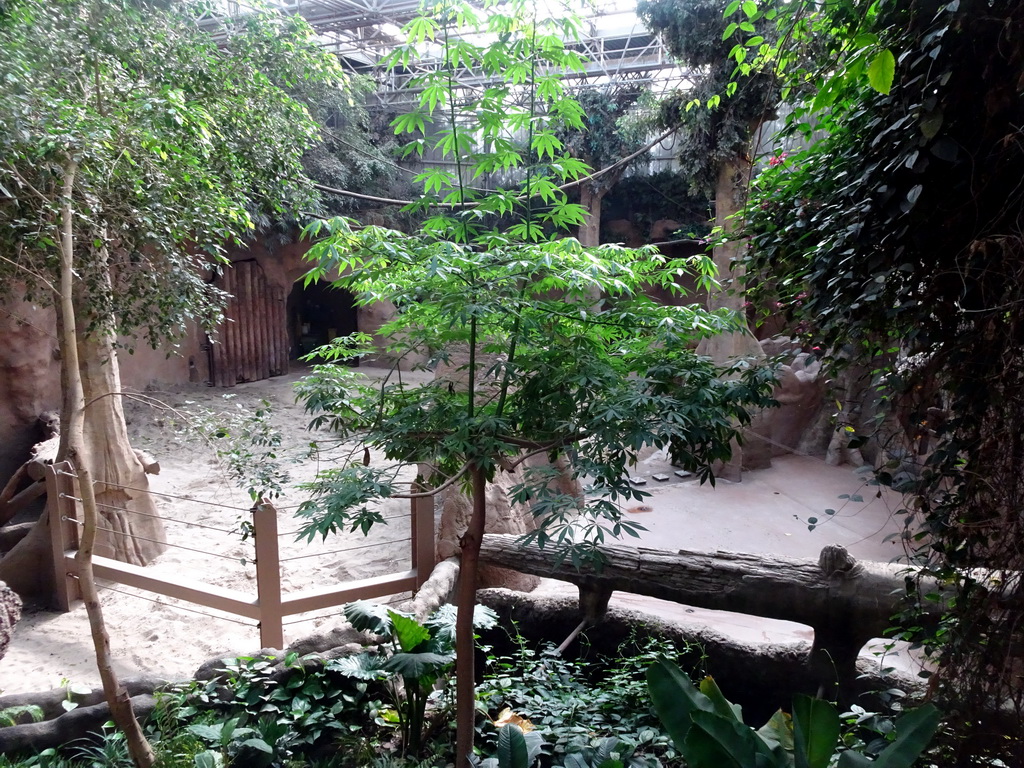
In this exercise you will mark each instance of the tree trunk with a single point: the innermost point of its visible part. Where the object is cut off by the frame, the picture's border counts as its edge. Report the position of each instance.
(117, 696)
(134, 531)
(75, 443)
(846, 602)
(27, 567)
(465, 668)
(590, 230)
(724, 348)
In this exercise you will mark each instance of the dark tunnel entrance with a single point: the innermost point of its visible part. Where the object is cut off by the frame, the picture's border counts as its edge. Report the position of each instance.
(317, 314)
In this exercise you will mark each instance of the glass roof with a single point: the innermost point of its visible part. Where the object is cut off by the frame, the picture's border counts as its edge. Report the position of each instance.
(618, 48)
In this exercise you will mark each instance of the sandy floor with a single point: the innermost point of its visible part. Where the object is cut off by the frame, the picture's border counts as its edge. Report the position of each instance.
(202, 508)
(767, 512)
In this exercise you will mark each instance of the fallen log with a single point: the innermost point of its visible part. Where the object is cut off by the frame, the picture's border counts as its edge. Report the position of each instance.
(13, 500)
(11, 534)
(54, 701)
(762, 676)
(33, 738)
(846, 602)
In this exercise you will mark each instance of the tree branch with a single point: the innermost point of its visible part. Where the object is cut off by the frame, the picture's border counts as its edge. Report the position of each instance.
(434, 491)
(34, 274)
(27, 184)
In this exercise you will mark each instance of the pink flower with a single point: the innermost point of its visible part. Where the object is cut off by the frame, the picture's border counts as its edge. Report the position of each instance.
(778, 160)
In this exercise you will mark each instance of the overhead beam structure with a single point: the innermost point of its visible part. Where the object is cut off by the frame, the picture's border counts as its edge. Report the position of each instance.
(620, 52)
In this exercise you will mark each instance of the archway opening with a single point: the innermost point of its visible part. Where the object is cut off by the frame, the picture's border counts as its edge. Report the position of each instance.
(318, 313)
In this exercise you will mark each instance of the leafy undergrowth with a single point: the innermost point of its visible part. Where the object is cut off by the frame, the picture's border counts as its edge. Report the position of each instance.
(357, 711)
(577, 704)
(314, 714)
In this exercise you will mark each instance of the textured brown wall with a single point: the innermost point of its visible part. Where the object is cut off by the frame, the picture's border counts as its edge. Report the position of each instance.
(29, 378)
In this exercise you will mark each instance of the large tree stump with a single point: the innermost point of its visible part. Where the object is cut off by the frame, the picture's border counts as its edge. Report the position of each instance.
(846, 602)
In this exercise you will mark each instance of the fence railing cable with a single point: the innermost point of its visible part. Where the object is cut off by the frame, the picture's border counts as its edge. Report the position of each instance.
(346, 549)
(172, 496)
(168, 519)
(399, 516)
(402, 598)
(271, 605)
(174, 606)
(233, 558)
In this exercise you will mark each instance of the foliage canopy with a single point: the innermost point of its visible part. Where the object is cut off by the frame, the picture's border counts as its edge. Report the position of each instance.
(719, 113)
(178, 145)
(507, 306)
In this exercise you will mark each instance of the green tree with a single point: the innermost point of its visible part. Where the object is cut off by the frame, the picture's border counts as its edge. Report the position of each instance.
(718, 114)
(135, 150)
(351, 153)
(491, 288)
(613, 129)
(719, 119)
(899, 229)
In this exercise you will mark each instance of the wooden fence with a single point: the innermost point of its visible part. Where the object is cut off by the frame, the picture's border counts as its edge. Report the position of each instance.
(269, 606)
(252, 343)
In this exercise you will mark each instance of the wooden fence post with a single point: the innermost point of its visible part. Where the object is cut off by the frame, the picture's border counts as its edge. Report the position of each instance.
(268, 575)
(423, 551)
(62, 511)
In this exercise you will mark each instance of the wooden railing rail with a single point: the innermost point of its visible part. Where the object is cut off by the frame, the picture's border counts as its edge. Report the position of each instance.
(269, 606)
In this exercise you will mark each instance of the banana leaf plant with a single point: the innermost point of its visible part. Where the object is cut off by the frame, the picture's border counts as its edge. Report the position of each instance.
(709, 731)
(410, 658)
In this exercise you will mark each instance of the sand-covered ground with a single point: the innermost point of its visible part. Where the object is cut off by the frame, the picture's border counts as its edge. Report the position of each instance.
(766, 513)
(203, 506)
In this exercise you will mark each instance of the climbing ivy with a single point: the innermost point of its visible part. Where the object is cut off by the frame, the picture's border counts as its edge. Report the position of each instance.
(897, 239)
(720, 112)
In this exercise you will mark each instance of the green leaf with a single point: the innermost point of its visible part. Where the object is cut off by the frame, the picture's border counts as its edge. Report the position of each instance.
(722, 706)
(442, 622)
(882, 71)
(718, 742)
(208, 733)
(914, 732)
(675, 699)
(931, 122)
(409, 632)
(361, 666)
(365, 616)
(10, 715)
(512, 751)
(851, 759)
(731, 8)
(259, 745)
(778, 731)
(209, 759)
(750, 8)
(413, 666)
(815, 731)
